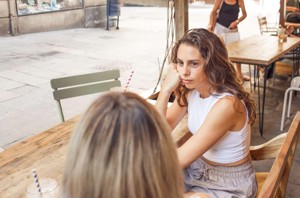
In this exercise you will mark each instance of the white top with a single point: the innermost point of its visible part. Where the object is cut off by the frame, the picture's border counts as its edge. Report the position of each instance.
(233, 146)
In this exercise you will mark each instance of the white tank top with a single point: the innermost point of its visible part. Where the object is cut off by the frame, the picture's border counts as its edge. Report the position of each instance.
(233, 146)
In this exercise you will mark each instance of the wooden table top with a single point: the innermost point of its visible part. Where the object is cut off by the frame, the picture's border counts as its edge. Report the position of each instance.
(46, 153)
(260, 49)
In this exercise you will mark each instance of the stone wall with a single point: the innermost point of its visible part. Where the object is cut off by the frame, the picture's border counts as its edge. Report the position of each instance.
(92, 14)
(51, 21)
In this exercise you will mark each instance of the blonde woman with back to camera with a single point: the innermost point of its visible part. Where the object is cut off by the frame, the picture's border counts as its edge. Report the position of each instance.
(122, 148)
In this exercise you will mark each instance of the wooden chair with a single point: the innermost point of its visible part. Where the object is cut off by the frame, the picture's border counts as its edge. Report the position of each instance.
(79, 85)
(264, 26)
(281, 148)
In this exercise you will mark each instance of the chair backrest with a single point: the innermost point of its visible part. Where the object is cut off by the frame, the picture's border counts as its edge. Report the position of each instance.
(263, 26)
(79, 85)
(262, 22)
(282, 148)
(295, 82)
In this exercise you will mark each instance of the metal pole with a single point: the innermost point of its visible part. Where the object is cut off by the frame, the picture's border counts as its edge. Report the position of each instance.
(14, 30)
(107, 14)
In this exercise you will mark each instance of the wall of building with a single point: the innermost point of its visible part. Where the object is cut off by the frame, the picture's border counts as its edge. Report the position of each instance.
(95, 13)
(91, 14)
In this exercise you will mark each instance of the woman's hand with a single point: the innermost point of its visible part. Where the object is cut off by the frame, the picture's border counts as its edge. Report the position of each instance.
(234, 24)
(172, 79)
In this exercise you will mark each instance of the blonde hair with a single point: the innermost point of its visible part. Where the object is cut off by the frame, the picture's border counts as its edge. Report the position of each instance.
(122, 148)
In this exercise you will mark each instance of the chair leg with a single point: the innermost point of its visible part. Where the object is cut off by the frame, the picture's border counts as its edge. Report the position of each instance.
(290, 102)
(61, 114)
(274, 75)
(250, 75)
(286, 95)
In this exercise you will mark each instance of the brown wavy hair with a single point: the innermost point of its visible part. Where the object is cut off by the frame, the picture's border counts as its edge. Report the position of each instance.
(217, 67)
(122, 148)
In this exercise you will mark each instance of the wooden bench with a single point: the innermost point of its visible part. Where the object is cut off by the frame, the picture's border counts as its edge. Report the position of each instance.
(281, 148)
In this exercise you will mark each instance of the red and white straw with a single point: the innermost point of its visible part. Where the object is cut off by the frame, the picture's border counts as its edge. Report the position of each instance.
(128, 81)
(36, 180)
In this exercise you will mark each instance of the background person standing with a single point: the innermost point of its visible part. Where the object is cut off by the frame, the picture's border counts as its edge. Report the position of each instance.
(226, 21)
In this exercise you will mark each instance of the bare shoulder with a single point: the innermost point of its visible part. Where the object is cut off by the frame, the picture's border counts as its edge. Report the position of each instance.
(228, 112)
(231, 104)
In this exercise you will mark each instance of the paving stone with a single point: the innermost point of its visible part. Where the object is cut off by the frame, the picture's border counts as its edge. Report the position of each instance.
(7, 84)
(6, 95)
(34, 71)
(22, 77)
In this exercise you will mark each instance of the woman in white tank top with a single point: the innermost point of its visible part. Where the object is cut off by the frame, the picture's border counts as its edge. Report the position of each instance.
(216, 159)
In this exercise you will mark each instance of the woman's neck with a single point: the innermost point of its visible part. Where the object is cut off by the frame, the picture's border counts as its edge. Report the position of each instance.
(205, 93)
(204, 89)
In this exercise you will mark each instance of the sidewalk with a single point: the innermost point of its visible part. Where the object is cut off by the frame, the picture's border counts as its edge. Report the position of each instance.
(28, 62)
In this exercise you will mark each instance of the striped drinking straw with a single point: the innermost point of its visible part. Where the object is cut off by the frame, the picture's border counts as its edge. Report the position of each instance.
(36, 180)
(128, 81)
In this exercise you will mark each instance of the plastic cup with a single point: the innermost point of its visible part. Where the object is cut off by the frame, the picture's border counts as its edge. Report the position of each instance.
(281, 33)
(48, 186)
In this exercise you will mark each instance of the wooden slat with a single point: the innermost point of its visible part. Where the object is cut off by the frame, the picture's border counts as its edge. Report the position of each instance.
(267, 150)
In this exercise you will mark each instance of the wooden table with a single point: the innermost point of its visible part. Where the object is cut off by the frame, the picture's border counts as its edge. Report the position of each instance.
(46, 153)
(261, 51)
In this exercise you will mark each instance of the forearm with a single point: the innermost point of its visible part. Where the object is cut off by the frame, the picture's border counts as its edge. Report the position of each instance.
(212, 20)
(235, 23)
(291, 9)
(162, 101)
(240, 19)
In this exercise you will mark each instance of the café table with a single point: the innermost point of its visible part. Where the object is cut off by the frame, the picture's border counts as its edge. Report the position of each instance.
(46, 152)
(260, 51)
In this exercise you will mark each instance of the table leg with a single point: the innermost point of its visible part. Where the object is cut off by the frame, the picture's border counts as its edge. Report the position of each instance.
(261, 108)
(258, 100)
(255, 76)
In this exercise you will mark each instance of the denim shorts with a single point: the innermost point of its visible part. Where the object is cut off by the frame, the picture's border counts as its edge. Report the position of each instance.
(220, 181)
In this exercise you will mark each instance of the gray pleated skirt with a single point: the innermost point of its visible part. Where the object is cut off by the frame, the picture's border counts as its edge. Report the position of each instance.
(219, 181)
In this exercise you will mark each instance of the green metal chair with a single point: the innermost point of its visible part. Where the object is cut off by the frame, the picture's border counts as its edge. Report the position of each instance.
(79, 85)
